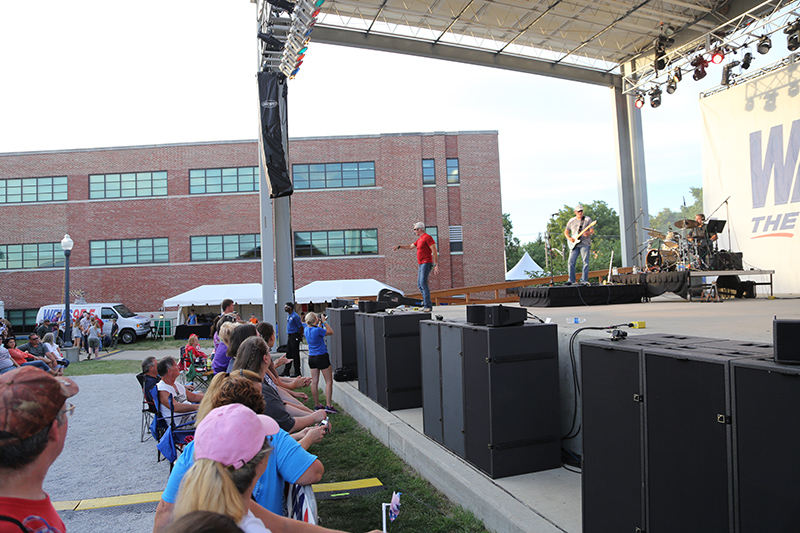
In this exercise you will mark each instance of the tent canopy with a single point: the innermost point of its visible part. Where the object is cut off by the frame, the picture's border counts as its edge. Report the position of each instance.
(325, 291)
(526, 264)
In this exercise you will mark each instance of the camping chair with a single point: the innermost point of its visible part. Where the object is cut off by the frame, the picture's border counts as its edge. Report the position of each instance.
(149, 408)
(171, 437)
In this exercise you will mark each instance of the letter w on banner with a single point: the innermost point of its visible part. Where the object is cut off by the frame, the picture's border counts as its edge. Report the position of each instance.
(272, 99)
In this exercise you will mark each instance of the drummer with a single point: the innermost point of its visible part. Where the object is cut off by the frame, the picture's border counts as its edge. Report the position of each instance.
(702, 237)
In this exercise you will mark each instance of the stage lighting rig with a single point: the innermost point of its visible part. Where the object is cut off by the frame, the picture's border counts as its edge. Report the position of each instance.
(699, 63)
(639, 103)
(718, 56)
(746, 60)
(286, 40)
(764, 44)
(792, 32)
(726, 72)
(661, 43)
(655, 97)
(672, 82)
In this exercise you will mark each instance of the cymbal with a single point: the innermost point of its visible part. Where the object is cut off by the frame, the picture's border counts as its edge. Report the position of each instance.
(686, 223)
(654, 233)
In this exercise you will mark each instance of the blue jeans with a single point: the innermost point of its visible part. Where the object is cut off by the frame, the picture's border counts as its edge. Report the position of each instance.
(582, 249)
(422, 283)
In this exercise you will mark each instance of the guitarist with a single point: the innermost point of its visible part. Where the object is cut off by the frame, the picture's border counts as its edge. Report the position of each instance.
(579, 235)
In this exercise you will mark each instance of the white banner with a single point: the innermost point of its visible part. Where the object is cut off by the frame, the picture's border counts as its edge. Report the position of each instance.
(750, 172)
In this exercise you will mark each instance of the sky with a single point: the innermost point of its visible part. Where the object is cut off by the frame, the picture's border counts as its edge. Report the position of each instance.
(88, 74)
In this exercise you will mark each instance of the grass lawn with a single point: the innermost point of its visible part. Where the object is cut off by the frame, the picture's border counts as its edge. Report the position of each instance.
(86, 368)
(164, 344)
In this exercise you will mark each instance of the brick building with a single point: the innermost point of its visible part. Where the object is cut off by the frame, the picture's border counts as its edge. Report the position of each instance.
(150, 222)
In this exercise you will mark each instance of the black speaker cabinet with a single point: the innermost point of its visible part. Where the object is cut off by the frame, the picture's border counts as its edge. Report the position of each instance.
(500, 315)
(612, 419)
(370, 306)
(342, 344)
(476, 314)
(392, 358)
(687, 439)
(361, 353)
(507, 371)
(766, 430)
(786, 337)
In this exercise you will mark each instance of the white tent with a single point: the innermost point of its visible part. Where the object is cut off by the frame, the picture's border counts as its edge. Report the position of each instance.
(526, 264)
(241, 293)
(325, 291)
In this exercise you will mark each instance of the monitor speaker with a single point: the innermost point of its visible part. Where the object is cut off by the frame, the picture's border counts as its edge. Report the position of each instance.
(786, 340)
(498, 315)
(476, 314)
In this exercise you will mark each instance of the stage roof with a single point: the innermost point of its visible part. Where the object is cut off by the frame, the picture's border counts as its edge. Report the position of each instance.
(581, 40)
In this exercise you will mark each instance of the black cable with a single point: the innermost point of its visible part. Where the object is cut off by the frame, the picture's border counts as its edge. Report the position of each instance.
(531, 315)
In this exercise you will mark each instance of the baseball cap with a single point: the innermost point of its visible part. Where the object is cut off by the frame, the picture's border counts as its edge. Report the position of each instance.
(232, 435)
(579, 207)
(30, 400)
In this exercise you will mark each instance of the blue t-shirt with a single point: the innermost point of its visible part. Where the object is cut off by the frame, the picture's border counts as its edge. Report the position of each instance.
(316, 340)
(294, 323)
(287, 462)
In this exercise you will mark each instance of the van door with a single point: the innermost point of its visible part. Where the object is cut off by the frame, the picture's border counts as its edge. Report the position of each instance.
(106, 314)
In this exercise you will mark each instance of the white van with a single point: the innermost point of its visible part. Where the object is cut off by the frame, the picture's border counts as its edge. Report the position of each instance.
(131, 326)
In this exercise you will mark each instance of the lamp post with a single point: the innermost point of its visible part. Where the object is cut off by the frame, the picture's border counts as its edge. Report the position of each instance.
(66, 244)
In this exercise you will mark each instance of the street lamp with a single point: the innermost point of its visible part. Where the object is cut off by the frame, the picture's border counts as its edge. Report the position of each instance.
(66, 244)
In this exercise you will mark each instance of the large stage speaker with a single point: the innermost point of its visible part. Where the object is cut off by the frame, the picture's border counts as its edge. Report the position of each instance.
(361, 353)
(766, 429)
(611, 403)
(442, 383)
(507, 371)
(786, 335)
(687, 428)
(342, 345)
(392, 358)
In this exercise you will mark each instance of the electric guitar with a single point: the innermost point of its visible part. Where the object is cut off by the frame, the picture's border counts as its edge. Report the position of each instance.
(573, 244)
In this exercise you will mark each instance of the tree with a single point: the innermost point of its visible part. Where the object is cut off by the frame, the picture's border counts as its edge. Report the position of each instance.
(666, 218)
(514, 251)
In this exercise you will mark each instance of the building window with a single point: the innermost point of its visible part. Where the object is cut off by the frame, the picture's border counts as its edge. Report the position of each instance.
(15, 191)
(452, 172)
(223, 180)
(428, 172)
(127, 185)
(334, 175)
(129, 252)
(225, 247)
(433, 231)
(456, 240)
(36, 255)
(22, 320)
(335, 243)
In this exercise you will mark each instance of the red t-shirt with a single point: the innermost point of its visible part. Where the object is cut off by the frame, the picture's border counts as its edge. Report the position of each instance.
(35, 515)
(423, 244)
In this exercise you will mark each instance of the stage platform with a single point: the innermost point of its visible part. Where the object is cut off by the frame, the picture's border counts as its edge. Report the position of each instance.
(550, 501)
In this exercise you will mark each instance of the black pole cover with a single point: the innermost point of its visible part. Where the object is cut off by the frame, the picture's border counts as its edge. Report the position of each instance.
(269, 88)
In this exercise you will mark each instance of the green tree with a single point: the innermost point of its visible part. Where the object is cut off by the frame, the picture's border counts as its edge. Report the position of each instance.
(514, 251)
(666, 218)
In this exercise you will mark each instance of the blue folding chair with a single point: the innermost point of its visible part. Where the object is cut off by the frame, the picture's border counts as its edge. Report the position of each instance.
(171, 437)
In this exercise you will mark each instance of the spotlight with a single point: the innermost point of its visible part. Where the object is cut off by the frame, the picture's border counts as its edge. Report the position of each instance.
(655, 97)
(639, 103)
(671, 86)
(282, 4)
(746, 60)
(660, 63)
(793, 35)
(699, 63)
(764, 44)
(717, 56)
(726, 73)
(271, 44)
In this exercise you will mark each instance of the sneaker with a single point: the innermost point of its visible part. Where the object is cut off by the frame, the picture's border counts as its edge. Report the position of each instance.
(426, 309)
(585, 283)
(319, 407)
(331, 410)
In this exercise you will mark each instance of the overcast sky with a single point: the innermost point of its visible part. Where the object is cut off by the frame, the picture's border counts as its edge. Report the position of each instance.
(87, 73)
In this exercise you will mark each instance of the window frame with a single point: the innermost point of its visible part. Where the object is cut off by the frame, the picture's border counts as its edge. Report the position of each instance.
(224, 180)
(327, 176)
(453, 178)
(26, 254)
(131, 251)
(429, 178)
(32, 190)
(313, 240)
(226, 243)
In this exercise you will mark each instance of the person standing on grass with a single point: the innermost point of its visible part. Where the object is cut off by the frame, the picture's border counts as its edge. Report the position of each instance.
(316, 330)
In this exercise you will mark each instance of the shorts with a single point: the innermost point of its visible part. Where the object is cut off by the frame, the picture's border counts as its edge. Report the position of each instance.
(94, 343)
(320, 362)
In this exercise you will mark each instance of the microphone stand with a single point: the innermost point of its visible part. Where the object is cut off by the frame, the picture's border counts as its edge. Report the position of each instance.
(638, 255)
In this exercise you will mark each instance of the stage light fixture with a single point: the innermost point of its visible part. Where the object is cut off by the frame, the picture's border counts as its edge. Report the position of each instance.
(699, 63)
(764, 44)
(282, 4)
(672, 86)
(792, 32)
(717, 56)
(746, 60)
(639, 103)
(726, 72)
(655, 97)
(271, 44)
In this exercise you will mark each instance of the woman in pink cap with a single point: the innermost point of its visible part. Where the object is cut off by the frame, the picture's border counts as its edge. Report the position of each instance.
(230, 452)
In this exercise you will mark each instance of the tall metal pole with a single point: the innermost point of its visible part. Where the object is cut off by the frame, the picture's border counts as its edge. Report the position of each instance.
(66, 245)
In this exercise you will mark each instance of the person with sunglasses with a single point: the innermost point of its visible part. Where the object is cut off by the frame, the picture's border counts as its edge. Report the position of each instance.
(33, 427)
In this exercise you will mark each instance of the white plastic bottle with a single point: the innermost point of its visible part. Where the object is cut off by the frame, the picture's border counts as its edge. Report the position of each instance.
(576, 320)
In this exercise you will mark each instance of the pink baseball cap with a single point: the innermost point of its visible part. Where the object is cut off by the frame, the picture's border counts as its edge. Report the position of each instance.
(232, 435)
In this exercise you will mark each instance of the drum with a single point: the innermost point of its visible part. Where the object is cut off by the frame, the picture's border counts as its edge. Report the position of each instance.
(653, 259)
(672, 241)
(669, 260)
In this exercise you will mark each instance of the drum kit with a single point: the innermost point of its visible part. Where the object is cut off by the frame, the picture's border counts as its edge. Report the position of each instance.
(671, 251)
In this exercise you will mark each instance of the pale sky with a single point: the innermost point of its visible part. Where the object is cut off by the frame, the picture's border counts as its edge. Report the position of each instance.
(89, 73)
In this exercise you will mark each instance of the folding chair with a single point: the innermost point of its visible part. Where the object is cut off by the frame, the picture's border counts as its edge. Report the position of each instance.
(149, 408)
(171, 437)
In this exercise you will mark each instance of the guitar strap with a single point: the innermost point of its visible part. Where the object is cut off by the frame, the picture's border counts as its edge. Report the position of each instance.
(580, 227)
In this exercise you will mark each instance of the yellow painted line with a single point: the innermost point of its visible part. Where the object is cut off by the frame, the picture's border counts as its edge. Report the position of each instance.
(347, 485)
(113, 501)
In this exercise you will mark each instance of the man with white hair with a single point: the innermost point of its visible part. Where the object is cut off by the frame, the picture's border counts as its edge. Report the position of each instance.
(428, 259)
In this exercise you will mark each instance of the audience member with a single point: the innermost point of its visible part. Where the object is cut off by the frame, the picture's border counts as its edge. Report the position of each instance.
(221, 330)
(286, 386)
(227, 306)
(294, 329)
(185, 411)
(193, 351)
(85, 324)
(114, 332)
(77, 335)
(93, 334)
(238, 335)
(253, 320)
(50, 345)
(33, 428)
(203, 522)
(44, 328)
(36, 350)
(316, 330)
(151, 378)
(20, 358)
(192, 318)
(288, 462)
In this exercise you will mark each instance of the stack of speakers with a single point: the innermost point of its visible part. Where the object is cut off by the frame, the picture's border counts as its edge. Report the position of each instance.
(342, 345)
(686, 434)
